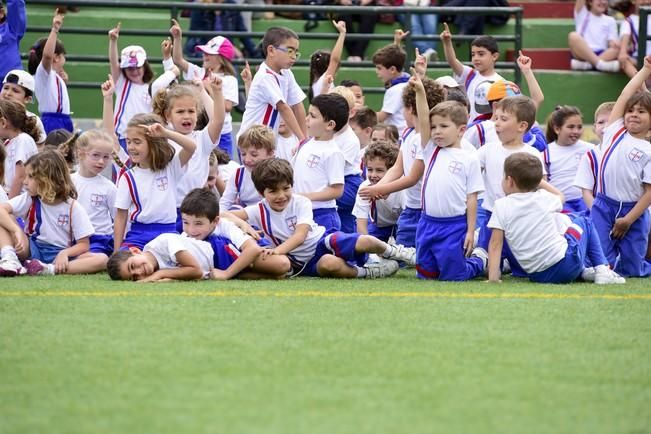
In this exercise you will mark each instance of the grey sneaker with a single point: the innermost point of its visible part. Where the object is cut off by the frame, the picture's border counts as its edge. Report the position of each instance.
(398, 252)
(11, 268)
(36, 267)
(384, 268)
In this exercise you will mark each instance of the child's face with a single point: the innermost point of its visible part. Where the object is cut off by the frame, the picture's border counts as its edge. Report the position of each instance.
(94, 159)
(251, 156)
(135, 75)
(482, 59)
(376, 168)
(278, 196)
(600, 124)
(213, 173)
(363, 134)
(183, 114)
(30, 182)
(13, 92)
(385, 74)
(444, 132)
(284, 55)
(570, 132)
(507, 126)
(359, 96)
(211, 62)
(598, 7)
(136, 267)
(137, 146)
(637, 120)
(198, 227)
(318, 127)
(378, 135)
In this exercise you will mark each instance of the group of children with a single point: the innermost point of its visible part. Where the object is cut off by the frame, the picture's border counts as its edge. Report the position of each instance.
(458, 180)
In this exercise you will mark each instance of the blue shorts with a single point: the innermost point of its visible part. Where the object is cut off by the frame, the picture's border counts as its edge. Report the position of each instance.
(407, 224)
(142, 233)
(337, 243)
(484, 238)
(482, 214)
(575, 206)
(224, 252)
(55, 121)
(328, 218)
(382, 233)
(226, 143)
(101, 244)
(346, 203)
(42, 251)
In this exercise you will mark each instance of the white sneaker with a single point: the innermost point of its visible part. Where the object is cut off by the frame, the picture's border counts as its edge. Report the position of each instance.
(398, 252)
(481, 254)
(580, 65)
(588, 274)
(606, 276)
(431, 55)
(384, 268)
(11, 268)
(608, 66)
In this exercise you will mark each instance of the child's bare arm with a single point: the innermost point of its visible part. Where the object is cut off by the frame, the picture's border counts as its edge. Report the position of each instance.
(588, 197)
(495, 255)
(188, 269)
(299, 114)
(62, 259)
(247, 77)
(471, 219)
(535, 91)
(114, 57)
(50, 43)
(330, 192)
(216, 121)
(578, 5)
(177, 49)
(188, 146)
(249, 253)
(362, 226)
(290, 119)
(383, 189)
(337, 49)
(448, 50)
(421, 107)
(300, 234)
(631, 87)
(119, 228)
(399, 35)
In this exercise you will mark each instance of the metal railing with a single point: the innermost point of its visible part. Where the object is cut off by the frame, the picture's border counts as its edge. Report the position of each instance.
(176, 7)
(644, 36)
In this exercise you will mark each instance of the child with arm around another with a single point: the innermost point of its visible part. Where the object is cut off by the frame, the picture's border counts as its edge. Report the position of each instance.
(550, 246)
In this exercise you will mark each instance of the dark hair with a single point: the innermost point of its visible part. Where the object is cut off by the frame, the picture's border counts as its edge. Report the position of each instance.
(3, 157)
(487, 42)
(160, 150)
(221, 155)
(319, 61)
(16, 114)
(521, 106)
(382, 149)
(390, 131)
(642, 98)
(557, 119)
(365, 117)
(333, 107)
(65, 142)
(453, 110)
(349, 83)
(272, 172)
(115, 263)
(276, 36)
(202, 119)
(434, 93)
(200, 202)
(525, 169)
(36, 53)
(459, 95)
(390, 55)
(148, 73)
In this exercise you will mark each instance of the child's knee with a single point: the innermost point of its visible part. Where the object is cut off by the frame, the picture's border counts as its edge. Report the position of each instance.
(329, 265)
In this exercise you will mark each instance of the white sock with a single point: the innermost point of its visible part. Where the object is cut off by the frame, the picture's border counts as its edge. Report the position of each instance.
(49, 269)
(8, 252)
(361, 272)
(388, 252)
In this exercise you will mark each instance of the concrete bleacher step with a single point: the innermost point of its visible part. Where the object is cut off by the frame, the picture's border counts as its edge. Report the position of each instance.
(545, 9)
(545, 58)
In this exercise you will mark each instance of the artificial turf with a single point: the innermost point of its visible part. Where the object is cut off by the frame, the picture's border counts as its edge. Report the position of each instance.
(86, 355)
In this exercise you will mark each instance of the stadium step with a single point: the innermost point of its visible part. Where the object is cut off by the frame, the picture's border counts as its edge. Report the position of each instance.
(545, 58)
(545, 9)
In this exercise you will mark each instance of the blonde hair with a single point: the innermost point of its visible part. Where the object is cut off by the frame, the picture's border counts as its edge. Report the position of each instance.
(347, 93)
(604, 107)
(52, 176)
(160, 150)
(164, 98)
(258, 137)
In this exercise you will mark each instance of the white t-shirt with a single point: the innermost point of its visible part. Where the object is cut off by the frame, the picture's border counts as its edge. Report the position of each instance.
(317, 86)
(51, 92)
(348, 142)
(625, 29)
(586, 173)
(196, 174)
(411, 150)
(491, 158)
(476, 86)
(165, 247)
(393, 105)
(561, 164)
(52, 224)
(481, 133)
(317, 165)
(279, 226)
(451, 174)
(130, 99)
(285, 146)
(382, 212)
(150, 196)
(230, 90)
(227, 170)
(228, 229)
(530, 228)
(596, 30)
(18, 150)
(239, 191)
(625, 164)
(268, 89)
(97, 196)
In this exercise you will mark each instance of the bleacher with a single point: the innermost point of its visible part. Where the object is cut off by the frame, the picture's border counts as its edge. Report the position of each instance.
(545, 28)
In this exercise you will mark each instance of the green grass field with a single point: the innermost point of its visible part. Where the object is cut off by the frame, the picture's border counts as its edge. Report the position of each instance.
(86, 355)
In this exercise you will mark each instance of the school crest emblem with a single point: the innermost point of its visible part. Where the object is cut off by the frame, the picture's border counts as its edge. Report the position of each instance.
(97, 200)
(63, 220)
(162, 183)
(455, 167)
(313, 161)
(291, 222)
(635, 155)
(414, 151)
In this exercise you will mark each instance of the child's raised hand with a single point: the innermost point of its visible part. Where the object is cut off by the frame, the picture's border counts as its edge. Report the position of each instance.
(415, 80)
(420, 64)
(154, 130)
(524, 62)
(114, 33)
(57, 20)
(213, 85)
(399, 35)
(246, 75)
(446, 35)
(175, 30)
(647, 62)
(340, 26)
(108, 87)
(166, 48)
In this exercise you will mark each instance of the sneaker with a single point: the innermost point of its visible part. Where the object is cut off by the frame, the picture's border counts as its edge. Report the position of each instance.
(431, 55)
(37, 268)
(398, 252)
(608, 66)
(588, 274)
(608, 277)
(11, 268)
(384, 268)
(482, 254)
(580, 65)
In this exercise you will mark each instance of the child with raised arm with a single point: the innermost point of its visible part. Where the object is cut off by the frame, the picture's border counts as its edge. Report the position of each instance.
(483, 54)
(629, 32)
(620, 210)
(551, 247)
(274, 91)
(594, 43)
(325, 64)
(389, 64)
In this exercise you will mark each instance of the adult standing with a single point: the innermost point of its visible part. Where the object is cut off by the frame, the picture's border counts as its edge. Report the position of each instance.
(13, 22)
(357, 48)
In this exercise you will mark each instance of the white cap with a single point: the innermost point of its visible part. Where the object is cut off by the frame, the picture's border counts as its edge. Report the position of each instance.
(446, 81)
(133, 56)
(21, 78)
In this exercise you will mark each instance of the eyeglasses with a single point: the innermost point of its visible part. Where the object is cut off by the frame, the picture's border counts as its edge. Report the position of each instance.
(292, 52)
(97, 156)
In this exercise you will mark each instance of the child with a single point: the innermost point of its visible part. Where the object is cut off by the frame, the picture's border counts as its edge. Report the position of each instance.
(201, 221)
(274, 90)
(217, 56)
(18, 131)
(18, 85)
(286, 142)
(214, 183)
(66, 143)
(96, 192)
(225, 165)
(357, 91)
(255, 144)
(46, 59)
(349, 144)
(620, 210)
(629, 34)
(57, 227)
(389, 63)
(528, 218)
(594, 43)
(324, 65)
(563, 153)
(362, 123)
(314, 251)
(387, 133)
(3, 157)
(378, 217)
(319, 162)
(483, 53)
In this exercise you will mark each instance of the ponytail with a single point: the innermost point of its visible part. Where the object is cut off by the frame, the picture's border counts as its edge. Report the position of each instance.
(36, 53)
(17, 116)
